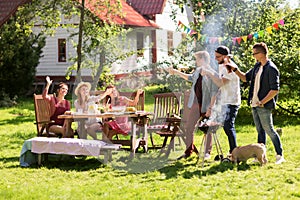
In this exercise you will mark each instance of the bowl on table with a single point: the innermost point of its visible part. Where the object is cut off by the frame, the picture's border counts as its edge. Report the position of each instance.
(118, 109)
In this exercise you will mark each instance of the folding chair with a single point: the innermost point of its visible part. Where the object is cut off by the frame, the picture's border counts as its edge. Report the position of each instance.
(166, 105)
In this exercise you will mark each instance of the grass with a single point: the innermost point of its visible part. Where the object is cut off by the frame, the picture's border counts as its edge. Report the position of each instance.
(147, 176)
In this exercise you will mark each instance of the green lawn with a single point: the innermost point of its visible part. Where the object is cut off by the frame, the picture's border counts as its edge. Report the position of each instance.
(147, 176)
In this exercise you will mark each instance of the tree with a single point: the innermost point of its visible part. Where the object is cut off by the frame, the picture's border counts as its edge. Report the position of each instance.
(235, 18)
(99, 39)
(19, 55)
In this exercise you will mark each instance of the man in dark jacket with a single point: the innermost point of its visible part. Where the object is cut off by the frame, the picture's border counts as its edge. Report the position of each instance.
(264, 88)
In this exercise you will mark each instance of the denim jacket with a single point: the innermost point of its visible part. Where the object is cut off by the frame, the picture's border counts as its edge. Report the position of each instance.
(269, 80)
(209, 89)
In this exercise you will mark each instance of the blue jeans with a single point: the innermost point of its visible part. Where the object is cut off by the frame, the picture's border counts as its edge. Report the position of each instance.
(229, 128)
(264, 124)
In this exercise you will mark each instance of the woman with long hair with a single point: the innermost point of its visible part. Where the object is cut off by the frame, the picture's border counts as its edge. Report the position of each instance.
(82, 103)
(58, 106)
(120, 124)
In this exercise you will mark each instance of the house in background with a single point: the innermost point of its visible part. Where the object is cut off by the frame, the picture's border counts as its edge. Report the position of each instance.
(59, 48)
(152, 30)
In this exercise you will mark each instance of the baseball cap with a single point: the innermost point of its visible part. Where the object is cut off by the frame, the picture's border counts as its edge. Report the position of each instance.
(223, 50)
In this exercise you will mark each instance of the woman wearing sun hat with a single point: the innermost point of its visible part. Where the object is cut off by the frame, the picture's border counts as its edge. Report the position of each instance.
(82, 103)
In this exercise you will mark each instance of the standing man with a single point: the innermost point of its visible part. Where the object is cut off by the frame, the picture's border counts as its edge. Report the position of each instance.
(264, 87)
(229, 84)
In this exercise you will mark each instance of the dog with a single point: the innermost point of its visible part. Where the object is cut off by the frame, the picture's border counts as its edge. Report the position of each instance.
(243, 153)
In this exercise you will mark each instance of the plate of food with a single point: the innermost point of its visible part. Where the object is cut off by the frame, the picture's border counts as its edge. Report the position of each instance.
(118, 109)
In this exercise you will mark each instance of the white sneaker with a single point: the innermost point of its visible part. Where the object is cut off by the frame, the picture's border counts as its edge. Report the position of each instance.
(255, 160)
(207, 156)
(279, 159)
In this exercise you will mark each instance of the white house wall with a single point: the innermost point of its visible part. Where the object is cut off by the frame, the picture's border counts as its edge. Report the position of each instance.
(134, 63)
(49, 65)
(162, 44)
(168, 24)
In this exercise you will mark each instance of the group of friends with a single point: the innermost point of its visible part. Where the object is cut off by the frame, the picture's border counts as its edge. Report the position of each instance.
(223, 85)
(208, 86)
(111, 97)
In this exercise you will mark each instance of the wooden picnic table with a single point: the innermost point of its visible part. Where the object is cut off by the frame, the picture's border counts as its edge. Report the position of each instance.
(138, 118)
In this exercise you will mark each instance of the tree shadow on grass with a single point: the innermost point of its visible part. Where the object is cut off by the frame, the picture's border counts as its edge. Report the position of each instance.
(140, 163)
(70, 163)
(17, 120)
(62, 162)
(194, 169)
(7, 160)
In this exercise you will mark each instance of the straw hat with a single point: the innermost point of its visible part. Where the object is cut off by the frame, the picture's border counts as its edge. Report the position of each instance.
(87, 84)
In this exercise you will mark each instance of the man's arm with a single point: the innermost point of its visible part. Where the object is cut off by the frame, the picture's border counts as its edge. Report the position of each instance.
(239, 73)
(214, 77)
(268, 97)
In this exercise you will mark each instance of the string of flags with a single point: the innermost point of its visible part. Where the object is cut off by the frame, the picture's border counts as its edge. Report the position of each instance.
(244, 38)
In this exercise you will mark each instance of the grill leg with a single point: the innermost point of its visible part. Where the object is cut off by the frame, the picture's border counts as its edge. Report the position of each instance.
(201, 153)
(217, 143)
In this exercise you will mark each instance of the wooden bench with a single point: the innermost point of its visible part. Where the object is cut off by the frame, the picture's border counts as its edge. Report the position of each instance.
(65, 146)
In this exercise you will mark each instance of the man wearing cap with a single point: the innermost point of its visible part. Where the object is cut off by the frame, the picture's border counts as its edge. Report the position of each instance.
(229, 84)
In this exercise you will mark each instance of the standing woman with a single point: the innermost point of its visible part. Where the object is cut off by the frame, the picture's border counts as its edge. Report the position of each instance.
(58, 106)
(200, 102)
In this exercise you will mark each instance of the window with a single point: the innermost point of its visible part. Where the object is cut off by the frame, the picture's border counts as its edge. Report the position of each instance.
(140, 44)
(170, 43)
(62, 57)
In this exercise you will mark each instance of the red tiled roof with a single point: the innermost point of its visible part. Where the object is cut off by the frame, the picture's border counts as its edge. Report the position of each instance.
(148, 7)
(8, 8)
(130, 16)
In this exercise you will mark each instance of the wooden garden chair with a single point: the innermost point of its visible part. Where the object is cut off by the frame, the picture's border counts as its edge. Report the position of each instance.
(176, 127)
(42, 116)
(165, 106)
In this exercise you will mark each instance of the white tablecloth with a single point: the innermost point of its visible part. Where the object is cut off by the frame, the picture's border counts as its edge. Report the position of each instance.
(67, 146)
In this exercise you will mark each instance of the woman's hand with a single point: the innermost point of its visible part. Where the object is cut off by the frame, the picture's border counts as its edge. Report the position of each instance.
(140, 91)
(108, 91)
(49, 82)
(208, 112)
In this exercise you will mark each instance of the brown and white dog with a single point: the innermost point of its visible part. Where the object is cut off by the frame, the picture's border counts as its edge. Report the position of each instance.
(243, 153)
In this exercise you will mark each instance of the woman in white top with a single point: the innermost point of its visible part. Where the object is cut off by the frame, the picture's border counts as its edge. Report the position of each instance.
(82, 104)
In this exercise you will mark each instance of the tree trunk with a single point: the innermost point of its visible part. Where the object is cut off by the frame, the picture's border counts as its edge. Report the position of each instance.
(79, 45)
(99, 70)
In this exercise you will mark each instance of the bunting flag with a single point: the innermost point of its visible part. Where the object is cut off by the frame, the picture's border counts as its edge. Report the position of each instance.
(235, 40)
